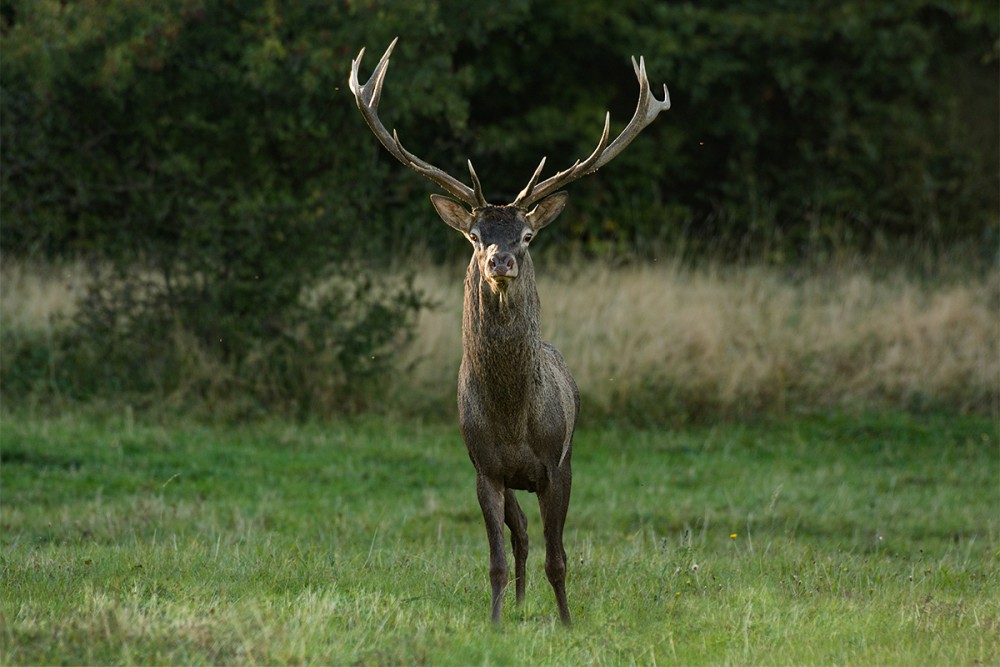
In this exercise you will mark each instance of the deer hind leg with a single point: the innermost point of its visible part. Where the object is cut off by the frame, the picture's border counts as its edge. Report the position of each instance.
(554, 503)
(491, 500)
(518, 524)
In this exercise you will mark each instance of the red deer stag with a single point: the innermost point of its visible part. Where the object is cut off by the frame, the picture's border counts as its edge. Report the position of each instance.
(517, 401)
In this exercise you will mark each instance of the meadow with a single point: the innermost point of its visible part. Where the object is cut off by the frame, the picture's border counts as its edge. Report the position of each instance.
(824, 539)
(773, 467)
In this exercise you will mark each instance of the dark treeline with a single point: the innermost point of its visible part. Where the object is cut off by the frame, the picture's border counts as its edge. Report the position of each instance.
(127, 125)
(210, 155)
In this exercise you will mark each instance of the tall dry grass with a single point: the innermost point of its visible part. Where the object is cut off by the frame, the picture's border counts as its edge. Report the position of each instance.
(657, 341)
(667, 341)
(34, 295)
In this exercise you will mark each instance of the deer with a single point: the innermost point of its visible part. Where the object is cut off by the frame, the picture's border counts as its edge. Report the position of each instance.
(517, 400)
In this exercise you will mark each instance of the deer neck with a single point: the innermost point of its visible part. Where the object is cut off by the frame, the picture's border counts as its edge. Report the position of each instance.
(501, 331)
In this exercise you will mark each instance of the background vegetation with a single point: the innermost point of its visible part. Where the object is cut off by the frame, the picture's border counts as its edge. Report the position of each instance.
(205, 162)
(650, 343)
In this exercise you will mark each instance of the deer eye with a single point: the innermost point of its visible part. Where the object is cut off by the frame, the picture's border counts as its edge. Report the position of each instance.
(527, 238)
(475, 239)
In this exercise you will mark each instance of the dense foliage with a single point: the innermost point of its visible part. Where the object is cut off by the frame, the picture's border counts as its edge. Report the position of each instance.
(132, 126)
(209, 151)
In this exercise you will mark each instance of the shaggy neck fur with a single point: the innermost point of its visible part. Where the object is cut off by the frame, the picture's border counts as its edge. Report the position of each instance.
(501, 334)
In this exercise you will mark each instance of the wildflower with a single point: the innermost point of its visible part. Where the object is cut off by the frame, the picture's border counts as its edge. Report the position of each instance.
(732, 536)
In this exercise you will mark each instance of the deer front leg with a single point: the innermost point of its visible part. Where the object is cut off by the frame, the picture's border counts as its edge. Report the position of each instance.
(491, 500)
(518, 524)
(554, 503)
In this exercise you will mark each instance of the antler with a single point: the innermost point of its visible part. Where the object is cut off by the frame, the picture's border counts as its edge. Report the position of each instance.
(367, 97)
(646, 110)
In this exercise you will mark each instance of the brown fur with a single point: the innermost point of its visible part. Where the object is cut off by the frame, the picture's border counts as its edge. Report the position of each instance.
(517, 400)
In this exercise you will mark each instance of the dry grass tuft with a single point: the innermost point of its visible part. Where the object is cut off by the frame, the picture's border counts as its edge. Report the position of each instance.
(34, 295)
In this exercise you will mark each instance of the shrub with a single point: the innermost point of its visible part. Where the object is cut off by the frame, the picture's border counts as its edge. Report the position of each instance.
(186, 151)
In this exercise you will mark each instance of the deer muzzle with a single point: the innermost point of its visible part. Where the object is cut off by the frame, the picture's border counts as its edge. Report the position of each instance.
(501, 267)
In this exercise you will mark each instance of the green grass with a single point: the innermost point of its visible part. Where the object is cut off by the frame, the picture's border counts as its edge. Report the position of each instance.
(811, 540)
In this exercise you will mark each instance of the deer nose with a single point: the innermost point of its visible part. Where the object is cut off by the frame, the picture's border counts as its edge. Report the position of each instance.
(502, 264)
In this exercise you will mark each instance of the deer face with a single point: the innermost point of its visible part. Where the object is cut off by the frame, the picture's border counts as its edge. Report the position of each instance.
(499, 234)
(499, 238)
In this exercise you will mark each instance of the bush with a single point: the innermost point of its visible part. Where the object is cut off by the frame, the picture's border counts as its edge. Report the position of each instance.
(175, 145)
(332, 352)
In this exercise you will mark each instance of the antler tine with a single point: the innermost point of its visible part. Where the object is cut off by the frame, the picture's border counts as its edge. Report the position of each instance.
(367, 97)
(477, 187)
(586, 166)
(379, 74)
(526, 192)
(646, 111)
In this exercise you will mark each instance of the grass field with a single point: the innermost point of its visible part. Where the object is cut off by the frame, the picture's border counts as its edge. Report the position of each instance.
(808, 540)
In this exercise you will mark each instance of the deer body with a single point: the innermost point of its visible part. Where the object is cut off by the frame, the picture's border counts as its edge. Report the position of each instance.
(517, 400)
(517, 405)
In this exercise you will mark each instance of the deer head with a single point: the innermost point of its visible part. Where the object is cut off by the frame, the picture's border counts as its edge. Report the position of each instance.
(499, 235)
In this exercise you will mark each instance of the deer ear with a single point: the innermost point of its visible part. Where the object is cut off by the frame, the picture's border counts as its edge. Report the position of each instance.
(547, 210)
(454, 214)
